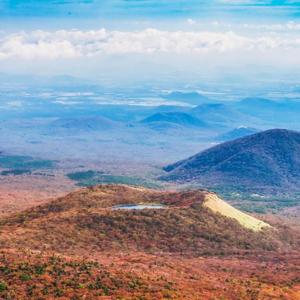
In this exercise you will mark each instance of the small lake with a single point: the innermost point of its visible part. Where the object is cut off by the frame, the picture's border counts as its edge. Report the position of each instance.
(138, 206)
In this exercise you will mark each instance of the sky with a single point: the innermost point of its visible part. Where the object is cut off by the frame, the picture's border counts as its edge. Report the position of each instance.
(134, 39)
(149, 8)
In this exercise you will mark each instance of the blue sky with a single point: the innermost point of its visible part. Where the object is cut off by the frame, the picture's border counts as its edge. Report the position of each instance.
(150, 8)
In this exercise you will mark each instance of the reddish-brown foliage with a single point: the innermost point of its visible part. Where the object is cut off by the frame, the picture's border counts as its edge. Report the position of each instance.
(84, 221)
(183, 252)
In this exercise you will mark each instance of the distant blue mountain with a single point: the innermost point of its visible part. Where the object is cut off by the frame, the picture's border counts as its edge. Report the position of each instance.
(175, 118)
(283, 111)
(220, 114)
(251, 105)
(236, 133)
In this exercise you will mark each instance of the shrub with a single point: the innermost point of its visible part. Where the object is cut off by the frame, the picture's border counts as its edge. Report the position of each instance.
(3, 286)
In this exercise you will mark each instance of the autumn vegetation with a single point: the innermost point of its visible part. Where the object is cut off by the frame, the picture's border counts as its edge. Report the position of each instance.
(79, 247)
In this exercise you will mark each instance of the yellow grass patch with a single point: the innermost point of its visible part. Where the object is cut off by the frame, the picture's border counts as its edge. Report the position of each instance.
(217, 205)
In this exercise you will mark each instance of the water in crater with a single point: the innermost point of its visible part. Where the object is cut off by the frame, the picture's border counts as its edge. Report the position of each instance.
(138, 206)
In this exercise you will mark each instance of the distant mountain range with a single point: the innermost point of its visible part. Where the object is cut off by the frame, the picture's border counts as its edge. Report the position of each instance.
(267, 162)
(219, 116)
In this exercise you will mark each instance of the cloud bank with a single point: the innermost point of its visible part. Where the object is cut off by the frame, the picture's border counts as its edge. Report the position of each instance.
(68, 44)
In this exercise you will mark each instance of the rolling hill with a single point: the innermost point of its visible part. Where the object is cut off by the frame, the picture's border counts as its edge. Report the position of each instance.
(266, 162)
(195, 222)
(94, 243)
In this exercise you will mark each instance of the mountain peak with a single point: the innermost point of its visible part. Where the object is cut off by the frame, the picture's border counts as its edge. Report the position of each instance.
(268, 160)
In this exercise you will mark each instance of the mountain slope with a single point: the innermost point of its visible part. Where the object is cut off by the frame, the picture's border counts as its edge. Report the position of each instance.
(86, 221)
(266, 161)
(35, 275)
(83, 246)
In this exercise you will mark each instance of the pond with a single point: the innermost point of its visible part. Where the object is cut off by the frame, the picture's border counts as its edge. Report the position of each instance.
(138, 206)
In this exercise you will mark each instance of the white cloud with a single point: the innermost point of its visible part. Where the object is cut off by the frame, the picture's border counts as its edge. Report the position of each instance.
(14, 104)
(281, 27)
(76, 43)
(191, 22)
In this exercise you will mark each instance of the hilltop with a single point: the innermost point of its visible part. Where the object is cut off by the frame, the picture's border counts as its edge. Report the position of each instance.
(195, 222)
(267, 162)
